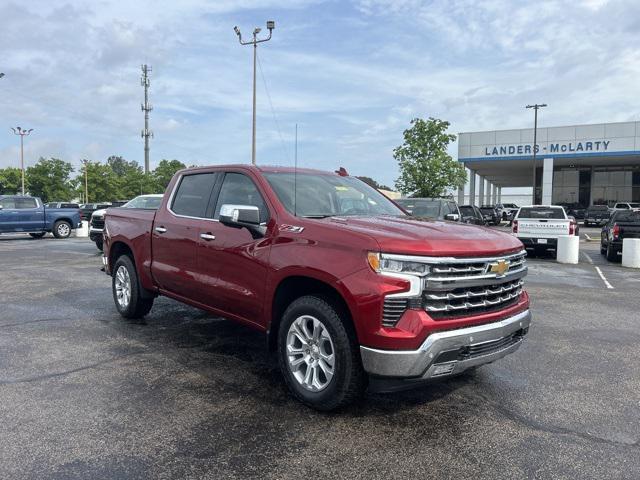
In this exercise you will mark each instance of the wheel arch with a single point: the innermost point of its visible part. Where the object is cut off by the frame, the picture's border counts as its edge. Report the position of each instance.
(295, 286)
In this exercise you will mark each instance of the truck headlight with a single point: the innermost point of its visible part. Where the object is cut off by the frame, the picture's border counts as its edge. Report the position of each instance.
(381, 264)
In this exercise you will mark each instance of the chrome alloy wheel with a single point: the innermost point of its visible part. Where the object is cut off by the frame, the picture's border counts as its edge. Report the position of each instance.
(64, 230)
(310, 353)
(123, 287)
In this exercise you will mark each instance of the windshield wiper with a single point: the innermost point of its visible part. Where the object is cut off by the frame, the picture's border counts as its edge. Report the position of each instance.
(316, 216)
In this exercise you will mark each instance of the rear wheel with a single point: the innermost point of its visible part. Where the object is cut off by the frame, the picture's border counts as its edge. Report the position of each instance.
(612, 253)
(127, 293)
(99, 245)
(37, 235)
(61, 229)
(319, 360)
(603, 249)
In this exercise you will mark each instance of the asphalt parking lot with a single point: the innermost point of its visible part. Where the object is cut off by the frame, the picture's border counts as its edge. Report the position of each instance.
(86, 394)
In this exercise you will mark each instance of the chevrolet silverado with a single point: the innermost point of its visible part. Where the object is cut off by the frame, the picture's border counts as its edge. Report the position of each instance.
(350, 291)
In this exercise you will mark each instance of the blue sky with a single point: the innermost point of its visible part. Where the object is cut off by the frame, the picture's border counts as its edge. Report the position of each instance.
(351, 74)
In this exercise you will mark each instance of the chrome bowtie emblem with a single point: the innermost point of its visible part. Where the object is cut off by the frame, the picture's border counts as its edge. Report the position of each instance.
(499, 268)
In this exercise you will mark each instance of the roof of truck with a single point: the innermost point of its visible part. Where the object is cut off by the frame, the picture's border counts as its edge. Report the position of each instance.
(263, 168)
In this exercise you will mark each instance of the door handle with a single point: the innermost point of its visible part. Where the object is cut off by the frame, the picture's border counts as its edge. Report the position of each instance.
(161, 229)
(207, 236)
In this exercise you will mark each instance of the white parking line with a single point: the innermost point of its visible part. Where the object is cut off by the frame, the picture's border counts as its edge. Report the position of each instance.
(604, 279)
(589, 259)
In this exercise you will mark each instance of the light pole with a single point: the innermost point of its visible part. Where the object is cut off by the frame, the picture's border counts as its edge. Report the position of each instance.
(535, 107)
(22, 133)
(270, 26)
(86, 182)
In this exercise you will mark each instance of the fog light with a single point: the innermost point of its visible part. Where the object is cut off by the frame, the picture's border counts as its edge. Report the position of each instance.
(443, 368)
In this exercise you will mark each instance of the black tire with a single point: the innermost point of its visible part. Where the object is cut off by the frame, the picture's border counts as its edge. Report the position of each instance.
(61, 229)
(37, 235)
(603, 249)
(99, 245)
(349, 380)
(612, 253)
(138, 305)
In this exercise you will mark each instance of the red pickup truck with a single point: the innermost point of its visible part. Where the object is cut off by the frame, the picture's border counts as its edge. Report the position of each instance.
(350, 291)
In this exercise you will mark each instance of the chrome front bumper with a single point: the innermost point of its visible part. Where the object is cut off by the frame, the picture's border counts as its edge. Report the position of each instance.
(449, 353)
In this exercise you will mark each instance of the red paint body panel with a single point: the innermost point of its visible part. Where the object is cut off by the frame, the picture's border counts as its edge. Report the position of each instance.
(237, 276)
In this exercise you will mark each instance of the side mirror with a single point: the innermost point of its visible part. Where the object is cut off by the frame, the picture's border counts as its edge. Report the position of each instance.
(454, 217)
(239, 215)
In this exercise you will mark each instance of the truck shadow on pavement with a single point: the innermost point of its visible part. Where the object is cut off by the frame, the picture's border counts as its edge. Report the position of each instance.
(235, 360)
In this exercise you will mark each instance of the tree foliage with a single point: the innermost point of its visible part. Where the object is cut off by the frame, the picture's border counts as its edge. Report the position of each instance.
(10, 181)
(50, 179)
(165, 170)
(426, 169)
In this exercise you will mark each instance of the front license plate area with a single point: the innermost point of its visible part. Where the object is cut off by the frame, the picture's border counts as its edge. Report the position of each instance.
(542, 241)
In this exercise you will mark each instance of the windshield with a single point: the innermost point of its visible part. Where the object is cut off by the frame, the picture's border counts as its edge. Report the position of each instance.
(421, 208)
(467, 211)
(541, 212)
(320, 195)
(634, 205)
(487, 210)
(144, 202)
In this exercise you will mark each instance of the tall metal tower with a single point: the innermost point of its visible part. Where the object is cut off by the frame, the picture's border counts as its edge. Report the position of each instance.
(146, 108)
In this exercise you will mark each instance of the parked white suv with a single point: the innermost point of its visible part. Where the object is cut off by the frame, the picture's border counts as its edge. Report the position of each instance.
(626, 206)
(539, 226)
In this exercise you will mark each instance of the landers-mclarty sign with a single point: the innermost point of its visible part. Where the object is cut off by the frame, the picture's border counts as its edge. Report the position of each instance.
(561, 147)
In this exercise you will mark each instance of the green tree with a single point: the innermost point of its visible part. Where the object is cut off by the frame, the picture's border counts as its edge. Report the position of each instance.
(50, 179)
(163, 173)
(372, 183)
(10, 181)
(103, 183)
(426, 169)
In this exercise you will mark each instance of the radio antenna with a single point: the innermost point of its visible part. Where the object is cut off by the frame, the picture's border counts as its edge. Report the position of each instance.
(295, 175)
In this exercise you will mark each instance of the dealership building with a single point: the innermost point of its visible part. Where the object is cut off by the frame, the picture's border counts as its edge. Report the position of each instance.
(585, 164)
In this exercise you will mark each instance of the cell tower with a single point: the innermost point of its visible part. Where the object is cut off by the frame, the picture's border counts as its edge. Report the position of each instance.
(146, 108)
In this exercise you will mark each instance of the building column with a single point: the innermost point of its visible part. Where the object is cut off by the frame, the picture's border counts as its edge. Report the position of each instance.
(493, 194)
(547, 181)
(472, 187)
(481, 193)
(461, 195)
(499, 195)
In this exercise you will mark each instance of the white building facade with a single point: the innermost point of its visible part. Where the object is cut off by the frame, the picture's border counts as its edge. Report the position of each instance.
(579, 164)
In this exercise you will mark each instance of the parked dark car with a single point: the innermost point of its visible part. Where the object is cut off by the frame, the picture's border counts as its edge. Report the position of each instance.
(87, 209)
(622, 224)
(440, 208)
(471, 214)
(575, 210)
(491, 214)
(597, 215)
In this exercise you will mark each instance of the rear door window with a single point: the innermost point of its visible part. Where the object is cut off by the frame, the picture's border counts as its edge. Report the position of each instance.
(25, 203)
(192, 196)
(8, 203)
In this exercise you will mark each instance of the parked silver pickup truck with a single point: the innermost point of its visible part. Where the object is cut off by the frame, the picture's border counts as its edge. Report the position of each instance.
(539, 226)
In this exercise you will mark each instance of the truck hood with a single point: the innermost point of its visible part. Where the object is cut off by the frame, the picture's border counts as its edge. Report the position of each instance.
(99, 213)
(413, 236)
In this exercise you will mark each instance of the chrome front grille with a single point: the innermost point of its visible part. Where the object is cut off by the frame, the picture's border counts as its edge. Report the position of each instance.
(458, 287)
(97, 222)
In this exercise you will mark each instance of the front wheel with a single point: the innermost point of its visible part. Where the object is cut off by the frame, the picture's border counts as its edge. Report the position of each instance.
(61, 229)
(318, 358)
(127, 293)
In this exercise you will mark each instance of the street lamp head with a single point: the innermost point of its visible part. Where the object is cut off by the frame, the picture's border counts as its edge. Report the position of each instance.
(271, 24)
(1, 74)
(237, 30)
(257, 30)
